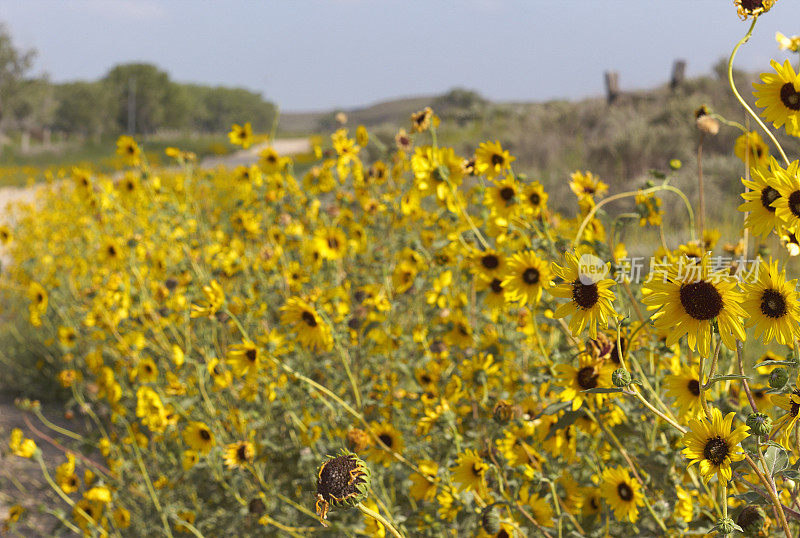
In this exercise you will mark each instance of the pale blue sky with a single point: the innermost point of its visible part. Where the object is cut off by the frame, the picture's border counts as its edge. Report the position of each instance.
(314, 55)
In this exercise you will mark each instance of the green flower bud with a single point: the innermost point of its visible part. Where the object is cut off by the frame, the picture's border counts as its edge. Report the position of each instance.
(675, 164)
(752, 520)
(778, 378)
(725, 526)
(759, 424)
(490, 520)
(621, 377)
(342, 480)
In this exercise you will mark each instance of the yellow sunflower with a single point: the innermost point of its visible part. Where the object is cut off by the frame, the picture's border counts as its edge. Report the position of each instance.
(492, 160)
(779, 95)
(752, 150)
(589, 374)
(772, 304)
(469, 471)
(199, 437)
(239, 454)
(331, 242)
(684, 387)
(787, 206)
(526, 276)
(312, 332)
(244, 359)
(789, 241)
(759, 197)
(129, 150)
(495, 291)
(590, 299)
(391, 438)
(689, 298)
(791, 404)
(534, 200)
(502, 199)
(586, 186)
(621, 493)
(752, 8)
(714, 444)
(241, 135)
(488, 263)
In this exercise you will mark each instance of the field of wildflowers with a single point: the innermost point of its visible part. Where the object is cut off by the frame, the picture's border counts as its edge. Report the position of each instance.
(391, 339)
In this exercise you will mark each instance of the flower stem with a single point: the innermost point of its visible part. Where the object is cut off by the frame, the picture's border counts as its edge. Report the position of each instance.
(380, 519)
(749, 110)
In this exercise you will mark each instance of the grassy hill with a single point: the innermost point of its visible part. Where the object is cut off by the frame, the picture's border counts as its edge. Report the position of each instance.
(640, 131)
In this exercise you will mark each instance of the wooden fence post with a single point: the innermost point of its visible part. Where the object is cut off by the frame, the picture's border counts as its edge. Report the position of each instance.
(678, 74)
(612, 86)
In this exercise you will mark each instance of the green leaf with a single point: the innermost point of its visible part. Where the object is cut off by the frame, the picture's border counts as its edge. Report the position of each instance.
(602, 390)
(554, 408)
(567, 419)
(775, 363)
(777, 459)
(729, 377)
(751, 497)
(791, 474)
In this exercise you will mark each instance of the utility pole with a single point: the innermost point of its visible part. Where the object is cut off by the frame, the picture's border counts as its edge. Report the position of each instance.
(132, 105)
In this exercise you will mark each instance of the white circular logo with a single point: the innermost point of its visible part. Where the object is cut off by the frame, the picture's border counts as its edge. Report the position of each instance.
(591, 269)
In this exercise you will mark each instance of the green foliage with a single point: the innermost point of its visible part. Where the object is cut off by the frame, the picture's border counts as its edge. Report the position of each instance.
(82, 108)
(145, 93)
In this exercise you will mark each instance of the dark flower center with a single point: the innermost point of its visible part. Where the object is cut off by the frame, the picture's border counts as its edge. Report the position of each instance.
(309, 318)
(497, 159)
(204, 434)
(241, 453)
(795, 406)
(790, 97)
(701, 300)
(585, 295)
(506, 193)
(497, 285)
(251, 355)
(339, 478)
(750, 5)
(534, 198)
(794, 203)
(614, 355)
(587, 377)
(750, 515)
(333, 243)
(716, 450)
(773, 304)
(694, 387)
(769, 195)
(386, 439)
(530, 276)
(477, 470)
(625, 492)
(490, 261)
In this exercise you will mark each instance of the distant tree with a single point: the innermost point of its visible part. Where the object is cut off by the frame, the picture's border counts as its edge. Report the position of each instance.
(14, 65)
(460, 105)
(82, 108)
(33, 108)
(144, 99)
(214, 109)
